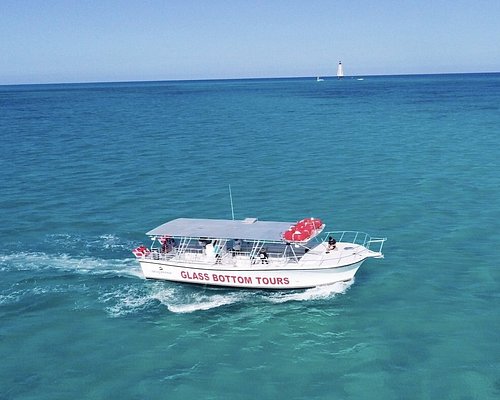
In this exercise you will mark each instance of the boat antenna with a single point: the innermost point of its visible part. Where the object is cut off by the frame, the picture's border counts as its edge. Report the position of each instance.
(231, 198)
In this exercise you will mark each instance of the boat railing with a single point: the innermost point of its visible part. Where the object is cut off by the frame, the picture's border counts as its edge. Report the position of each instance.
(249, 257)
(376, 245)
(158, 254)
(360, 238)
(371, 247)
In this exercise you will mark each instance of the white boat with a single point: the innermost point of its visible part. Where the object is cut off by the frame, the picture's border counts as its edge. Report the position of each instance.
(254, 254)
(340, 70)
(318, 79)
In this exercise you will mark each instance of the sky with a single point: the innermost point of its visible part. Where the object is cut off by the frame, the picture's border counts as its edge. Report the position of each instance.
(55, 41)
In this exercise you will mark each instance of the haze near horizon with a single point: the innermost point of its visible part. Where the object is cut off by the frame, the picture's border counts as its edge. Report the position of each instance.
(60, 41)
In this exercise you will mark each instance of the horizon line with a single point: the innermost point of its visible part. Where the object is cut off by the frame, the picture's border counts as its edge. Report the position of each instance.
(244, 78)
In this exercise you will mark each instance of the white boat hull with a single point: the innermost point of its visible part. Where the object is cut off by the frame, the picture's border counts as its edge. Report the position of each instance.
(273, 275)
(250, 279)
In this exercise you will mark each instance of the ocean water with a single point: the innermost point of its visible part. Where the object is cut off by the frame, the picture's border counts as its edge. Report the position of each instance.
(87, 169)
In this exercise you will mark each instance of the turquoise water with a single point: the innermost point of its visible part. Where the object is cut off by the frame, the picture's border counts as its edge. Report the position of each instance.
(87, 169)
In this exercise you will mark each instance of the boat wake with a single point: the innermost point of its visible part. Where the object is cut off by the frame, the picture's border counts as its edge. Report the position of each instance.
(203, 302)
(181, 299)
(32, 275)
(175, 298)
(90, 257)
(40, 261)
(317, 293)
(105, 254)
(79, 243)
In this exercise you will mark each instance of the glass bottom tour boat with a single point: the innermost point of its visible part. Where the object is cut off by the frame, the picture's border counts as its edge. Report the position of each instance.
(254, 254)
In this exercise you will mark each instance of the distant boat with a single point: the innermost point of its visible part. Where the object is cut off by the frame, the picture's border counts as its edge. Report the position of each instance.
(318, 79)
(340, 71)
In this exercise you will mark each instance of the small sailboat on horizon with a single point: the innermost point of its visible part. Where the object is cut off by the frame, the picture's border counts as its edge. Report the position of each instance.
(318, 79)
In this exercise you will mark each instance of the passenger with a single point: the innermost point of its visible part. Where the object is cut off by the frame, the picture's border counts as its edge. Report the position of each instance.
(170, 243)
(332, 244)
(165, 244)
(236, 247)
(203, 244)
(263, 256)
(209, 248)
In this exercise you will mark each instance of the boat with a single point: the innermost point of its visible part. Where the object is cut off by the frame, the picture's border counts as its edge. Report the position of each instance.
(318, 79)
(254, 254)
(340, 70)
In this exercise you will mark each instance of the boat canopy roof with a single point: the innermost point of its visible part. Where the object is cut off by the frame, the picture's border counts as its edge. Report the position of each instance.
(247, 229)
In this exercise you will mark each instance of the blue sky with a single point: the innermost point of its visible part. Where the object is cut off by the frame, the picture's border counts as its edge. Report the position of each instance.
(45, 41)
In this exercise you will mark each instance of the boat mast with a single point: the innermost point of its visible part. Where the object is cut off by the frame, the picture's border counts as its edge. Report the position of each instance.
(231, 198)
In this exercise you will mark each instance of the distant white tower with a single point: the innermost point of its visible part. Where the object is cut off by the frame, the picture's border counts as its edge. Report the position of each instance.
(340, 71)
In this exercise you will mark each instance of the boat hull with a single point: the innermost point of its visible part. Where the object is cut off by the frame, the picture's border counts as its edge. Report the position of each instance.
(255, 278)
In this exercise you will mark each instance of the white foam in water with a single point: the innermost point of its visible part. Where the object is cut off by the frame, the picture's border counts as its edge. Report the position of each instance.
(177, 299)
(180, 299)
(113, 242)
(23, 261)
(130, 299)
(103, 242)
(316, 293)
(205, 302)
(10, 297)
(17, 295)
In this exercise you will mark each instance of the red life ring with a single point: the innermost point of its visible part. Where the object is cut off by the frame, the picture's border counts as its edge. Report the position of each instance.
(141, 251)
(306, 234)
(288, 235)
(317, 223)
(296, 234)
(303, 229)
